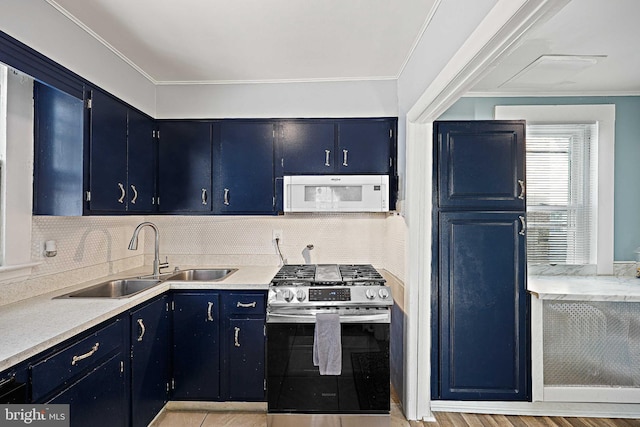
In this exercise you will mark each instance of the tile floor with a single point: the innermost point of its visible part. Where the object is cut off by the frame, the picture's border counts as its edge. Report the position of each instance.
(197, 418)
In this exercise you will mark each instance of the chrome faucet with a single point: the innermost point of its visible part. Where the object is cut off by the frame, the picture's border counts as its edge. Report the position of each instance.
(133, 245)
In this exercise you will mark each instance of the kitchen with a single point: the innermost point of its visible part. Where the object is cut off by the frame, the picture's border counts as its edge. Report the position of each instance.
(96, 246)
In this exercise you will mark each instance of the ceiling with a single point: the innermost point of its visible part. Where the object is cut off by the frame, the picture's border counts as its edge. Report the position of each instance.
(583, 29)
(218, 41)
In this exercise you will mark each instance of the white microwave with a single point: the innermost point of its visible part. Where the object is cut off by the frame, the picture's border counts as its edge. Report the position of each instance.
(336, 193)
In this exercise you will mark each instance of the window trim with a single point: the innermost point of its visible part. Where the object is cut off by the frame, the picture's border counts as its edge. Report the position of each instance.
(604, 115)
(17, 189)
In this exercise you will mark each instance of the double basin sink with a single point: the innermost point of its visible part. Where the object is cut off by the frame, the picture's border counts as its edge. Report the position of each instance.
(124, 288)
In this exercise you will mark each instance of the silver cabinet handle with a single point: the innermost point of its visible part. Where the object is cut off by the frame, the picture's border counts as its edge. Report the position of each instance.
(226, 197)
(345, 153)
(122, 193)
(142, 329)
(249, 305)
(209, 314)
(523, 225)
(135, 194)
(236, 336)
(204, 196)
(521, 196)
(327, 153)
(90, 353)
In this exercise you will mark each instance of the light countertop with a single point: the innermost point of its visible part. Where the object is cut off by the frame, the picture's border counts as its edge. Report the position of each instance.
(585, 288)
(36, 324)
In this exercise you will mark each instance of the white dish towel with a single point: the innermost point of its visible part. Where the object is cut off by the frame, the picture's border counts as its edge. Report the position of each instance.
(327, 344)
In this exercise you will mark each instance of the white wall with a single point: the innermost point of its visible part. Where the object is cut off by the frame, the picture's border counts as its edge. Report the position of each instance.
(40, 26)
(370, 98)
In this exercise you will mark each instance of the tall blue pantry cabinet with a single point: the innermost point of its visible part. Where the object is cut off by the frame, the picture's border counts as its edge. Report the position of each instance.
(481, 327)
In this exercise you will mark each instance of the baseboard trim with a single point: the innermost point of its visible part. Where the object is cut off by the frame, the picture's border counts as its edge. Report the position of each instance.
(556, 409)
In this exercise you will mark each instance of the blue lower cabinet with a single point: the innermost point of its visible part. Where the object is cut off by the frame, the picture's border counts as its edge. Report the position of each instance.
(150, 338)
(196, 346)
(244, 346)
(89, 374)
(484, 326)
(99, 398)
(219, 346)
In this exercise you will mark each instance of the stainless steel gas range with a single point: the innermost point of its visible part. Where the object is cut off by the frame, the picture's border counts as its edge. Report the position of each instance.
(359, 302)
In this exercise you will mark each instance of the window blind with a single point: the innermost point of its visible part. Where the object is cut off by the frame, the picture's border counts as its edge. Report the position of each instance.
(561, 184)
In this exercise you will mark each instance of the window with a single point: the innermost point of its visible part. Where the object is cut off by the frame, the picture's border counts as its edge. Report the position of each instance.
(561, 184)
(582, 205)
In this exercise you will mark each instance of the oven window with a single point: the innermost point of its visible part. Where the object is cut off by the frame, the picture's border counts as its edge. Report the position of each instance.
(331, 193)
(295, 385)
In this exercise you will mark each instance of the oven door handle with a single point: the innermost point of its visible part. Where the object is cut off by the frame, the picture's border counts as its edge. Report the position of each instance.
(311, 318)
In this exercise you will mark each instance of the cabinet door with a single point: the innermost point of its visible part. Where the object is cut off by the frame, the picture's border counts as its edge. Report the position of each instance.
(58, 152)
(196, 348)
(150, 335)
(141, 163)
(98, 399)
(481, 164)
(484, 328)
(364, 146)
(307, 147)
(245, 358)
(108, 154)
(184, 166)
(244, 154)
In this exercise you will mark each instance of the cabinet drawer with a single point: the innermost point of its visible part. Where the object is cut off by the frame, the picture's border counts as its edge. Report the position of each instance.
(59, 368)
(245, 303)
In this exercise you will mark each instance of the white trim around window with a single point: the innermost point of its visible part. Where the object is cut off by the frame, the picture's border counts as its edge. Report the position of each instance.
(605, 116)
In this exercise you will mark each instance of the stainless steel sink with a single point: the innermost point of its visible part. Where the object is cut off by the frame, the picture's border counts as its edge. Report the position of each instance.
(203, 274)
(123, 288)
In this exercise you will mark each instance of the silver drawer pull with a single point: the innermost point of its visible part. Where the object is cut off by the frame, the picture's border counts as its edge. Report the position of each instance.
(521, 195)
(523, 225)
(249, 305)
(236, 337)
(135, 194)
(345, 161)
(209, 314)
(90, 353)
(142, 329)
(226, 197)
(204, 196)
(327, 153)
(122, 193)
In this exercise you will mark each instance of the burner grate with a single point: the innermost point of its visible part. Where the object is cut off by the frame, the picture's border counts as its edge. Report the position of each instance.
(359, 272)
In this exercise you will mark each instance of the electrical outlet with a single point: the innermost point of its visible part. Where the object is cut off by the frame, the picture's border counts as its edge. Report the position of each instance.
(276, 234)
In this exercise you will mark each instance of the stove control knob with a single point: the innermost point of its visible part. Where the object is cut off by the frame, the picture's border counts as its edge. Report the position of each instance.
(287, 294)
(300, 295)
(383, 293)
(370, 293)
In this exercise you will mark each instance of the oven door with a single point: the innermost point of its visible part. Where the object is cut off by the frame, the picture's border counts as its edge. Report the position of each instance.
(294, 384)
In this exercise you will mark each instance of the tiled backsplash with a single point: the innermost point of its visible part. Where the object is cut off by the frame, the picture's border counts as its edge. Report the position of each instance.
(96, 246)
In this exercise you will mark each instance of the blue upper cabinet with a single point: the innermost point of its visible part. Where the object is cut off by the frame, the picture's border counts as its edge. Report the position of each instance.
(243, 153)
(336, 146)
(307, 147)
(481, 164)
(141, 163)
(108, 154)
(364, 146)
(58, 152)
(184, 166)
(122, 157)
